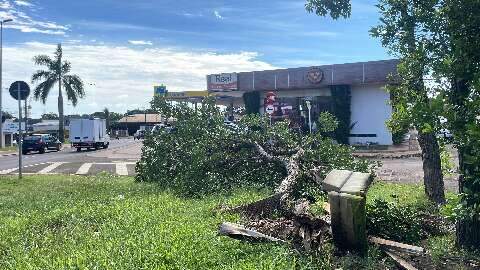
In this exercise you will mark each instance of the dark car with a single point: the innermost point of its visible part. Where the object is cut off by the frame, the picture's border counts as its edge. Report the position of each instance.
(140, 134)
(40, 143)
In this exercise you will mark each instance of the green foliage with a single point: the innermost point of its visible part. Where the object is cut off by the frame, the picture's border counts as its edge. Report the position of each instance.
(341, 98)
(6, 115)
(399, 136)
(252, 102)
(205, 156)
(448, 166)
(398, 223)
(402, 212)
(336, 9)
(327, 122)
(50, 116)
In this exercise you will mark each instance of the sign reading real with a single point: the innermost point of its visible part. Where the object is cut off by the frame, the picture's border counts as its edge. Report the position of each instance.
(224, 81)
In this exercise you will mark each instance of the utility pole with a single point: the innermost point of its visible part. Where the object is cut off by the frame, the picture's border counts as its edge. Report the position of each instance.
(2, 139)
(26, 117)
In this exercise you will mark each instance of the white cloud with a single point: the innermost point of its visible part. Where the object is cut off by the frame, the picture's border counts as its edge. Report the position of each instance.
(140, 42)
(23, 3)
(26, 23)
(217, 14)
(123, 77)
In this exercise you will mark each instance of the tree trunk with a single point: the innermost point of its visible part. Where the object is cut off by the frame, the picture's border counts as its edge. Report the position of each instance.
(61, 118)
(432, 167)
(468, 229)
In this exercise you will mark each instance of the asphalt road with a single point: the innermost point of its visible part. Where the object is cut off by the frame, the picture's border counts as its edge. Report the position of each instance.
(119, 159)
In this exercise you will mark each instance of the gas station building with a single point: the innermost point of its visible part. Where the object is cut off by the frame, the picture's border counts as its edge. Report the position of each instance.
(359, 85)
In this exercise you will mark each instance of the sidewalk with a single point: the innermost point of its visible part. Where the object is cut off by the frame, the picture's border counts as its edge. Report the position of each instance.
(404, 150)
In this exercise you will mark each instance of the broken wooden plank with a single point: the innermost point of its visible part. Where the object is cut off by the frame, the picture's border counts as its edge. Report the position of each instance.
(384, 243)
(241, 233)
(400, 261)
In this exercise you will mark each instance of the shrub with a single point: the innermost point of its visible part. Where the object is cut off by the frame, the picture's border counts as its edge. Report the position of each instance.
(393, 221)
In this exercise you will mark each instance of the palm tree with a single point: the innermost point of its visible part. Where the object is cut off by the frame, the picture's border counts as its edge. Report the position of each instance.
(57, 73)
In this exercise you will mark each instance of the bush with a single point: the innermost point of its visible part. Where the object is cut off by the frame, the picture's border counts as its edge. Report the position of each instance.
(392, 221)
(203, 155)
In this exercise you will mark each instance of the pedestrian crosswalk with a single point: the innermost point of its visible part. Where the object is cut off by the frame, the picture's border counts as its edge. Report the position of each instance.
(84, 168)
(88, 168)
(50, 167)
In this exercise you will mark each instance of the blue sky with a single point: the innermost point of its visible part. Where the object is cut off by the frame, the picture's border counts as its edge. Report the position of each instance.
(122, 48)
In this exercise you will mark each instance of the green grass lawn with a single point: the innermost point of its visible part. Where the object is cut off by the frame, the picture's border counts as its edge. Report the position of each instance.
(106, 222)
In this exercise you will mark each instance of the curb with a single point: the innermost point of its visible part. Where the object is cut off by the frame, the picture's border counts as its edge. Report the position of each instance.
(8, 155)
(388, 156)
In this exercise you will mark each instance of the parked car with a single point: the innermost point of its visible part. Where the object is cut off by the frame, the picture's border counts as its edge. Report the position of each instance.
(162, 127)
(157, 128)
(40, 143)
(139, 134)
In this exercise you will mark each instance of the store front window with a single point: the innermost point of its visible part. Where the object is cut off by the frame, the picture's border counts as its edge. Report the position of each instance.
(294, 109)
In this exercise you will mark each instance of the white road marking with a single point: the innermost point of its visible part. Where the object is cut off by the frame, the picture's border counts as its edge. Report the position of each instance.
(8, 171)
(84, 168)
(51, 167)
(121, 168)
(119, 162)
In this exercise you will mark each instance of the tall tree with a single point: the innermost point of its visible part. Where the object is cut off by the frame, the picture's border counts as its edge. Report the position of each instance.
(455, 35)
(449, 37)
(106, 112)
(6, 115)
(398, 31)
(57, 73)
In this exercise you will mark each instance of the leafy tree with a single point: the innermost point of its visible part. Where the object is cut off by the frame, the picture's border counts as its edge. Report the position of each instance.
(115, 117)
(106, 112)
(6, 115)
(57, 73)
(447, 48)
(411, 102)
(50, 116)
(455, 64)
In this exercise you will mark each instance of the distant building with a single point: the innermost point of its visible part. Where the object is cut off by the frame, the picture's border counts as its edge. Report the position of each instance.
(363, 82)
(47, 126)
(135, 122)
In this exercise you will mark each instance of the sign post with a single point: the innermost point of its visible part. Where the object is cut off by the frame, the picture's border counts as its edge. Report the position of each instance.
(19, 90)
(309, 107)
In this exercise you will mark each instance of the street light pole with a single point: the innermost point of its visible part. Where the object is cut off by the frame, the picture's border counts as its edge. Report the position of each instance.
(2, 143)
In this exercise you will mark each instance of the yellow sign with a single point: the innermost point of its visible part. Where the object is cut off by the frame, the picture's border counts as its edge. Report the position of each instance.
(187, 94)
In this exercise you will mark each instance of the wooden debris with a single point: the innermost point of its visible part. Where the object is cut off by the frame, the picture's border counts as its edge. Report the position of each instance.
(400, 261)
(241, 233)
(388, 244)
(326, 206)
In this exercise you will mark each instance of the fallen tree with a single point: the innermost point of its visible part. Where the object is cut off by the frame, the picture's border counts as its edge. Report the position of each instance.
(202, 155)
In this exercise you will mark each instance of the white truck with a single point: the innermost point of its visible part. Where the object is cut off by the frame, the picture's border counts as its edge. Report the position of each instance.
(89, 133)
